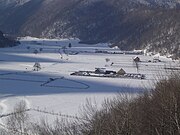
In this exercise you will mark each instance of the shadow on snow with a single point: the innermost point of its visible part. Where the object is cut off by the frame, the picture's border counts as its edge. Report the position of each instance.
(34, 83)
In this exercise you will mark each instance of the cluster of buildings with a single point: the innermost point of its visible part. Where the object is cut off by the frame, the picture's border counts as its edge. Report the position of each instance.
(102, 72)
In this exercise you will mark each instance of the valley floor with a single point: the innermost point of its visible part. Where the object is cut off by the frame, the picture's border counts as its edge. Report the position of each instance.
(52, 88)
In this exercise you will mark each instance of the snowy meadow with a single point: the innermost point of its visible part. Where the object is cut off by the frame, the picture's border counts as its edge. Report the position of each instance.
(39, 72)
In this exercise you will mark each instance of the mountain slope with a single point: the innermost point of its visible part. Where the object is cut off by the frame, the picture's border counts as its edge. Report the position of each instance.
(13, 15)
(129, 24)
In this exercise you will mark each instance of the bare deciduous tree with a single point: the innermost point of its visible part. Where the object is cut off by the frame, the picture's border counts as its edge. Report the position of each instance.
(155, 112)
(19, 120)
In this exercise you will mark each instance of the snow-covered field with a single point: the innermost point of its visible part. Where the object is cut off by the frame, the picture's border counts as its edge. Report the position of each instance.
(52, 87)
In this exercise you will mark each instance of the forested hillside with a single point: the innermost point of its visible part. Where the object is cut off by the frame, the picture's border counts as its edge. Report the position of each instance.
(129, 24)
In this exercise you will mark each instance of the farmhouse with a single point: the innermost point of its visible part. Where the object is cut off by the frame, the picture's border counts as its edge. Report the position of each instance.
(104, 71)
(121, 72)
(108, 72)
(136, 59)
(100, 70)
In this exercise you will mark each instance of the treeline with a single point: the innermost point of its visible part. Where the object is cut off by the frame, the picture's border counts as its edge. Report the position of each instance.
(155, 112)
(7, 41)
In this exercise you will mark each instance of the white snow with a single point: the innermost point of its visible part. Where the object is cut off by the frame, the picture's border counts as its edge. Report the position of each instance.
(52, 88)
